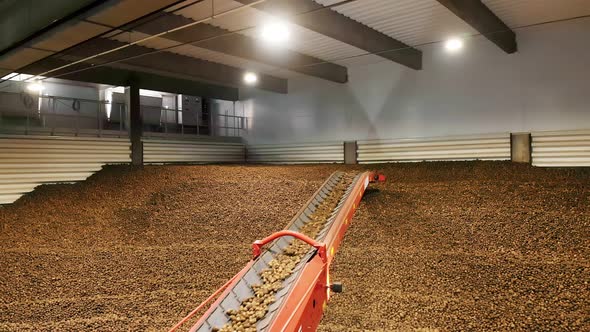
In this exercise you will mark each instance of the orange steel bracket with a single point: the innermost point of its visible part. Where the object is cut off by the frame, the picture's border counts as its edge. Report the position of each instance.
(258, 244)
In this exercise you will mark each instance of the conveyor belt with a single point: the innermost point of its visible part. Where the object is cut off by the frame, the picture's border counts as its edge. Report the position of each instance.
(309, 276)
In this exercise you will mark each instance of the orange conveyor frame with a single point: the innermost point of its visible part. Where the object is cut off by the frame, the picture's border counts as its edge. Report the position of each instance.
(301, 303)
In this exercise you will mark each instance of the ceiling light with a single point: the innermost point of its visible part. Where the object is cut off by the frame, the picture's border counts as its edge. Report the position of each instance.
(35, 87)
(453, 44)
(9, 76)
(250, 78)
(275, 32)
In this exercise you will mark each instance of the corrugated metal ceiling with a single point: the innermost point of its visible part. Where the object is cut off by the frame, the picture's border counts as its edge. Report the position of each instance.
(199, 53)
(130, 37)
(80, 29)
(517, 13)
(128, 10)
(421, 21)
(206, 8)
(302, 40)
(413, 22)
(205, 54)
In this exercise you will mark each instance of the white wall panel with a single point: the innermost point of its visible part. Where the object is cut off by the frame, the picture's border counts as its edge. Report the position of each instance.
(29, 161)
(157, 151)
(561, 148)
(331, 152)
(477, 147)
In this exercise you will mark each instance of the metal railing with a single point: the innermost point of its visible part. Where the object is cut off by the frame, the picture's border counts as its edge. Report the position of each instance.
(237, 125)
(24, 113)
(176, 121)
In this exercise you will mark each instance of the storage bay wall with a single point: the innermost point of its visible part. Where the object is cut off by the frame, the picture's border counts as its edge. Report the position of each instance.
(29, 161)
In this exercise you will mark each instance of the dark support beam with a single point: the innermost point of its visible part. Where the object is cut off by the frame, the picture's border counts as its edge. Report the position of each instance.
(242, 46)
(145, 80)
(482, 19)
(136, 123)
(313, 16)
(175, 64)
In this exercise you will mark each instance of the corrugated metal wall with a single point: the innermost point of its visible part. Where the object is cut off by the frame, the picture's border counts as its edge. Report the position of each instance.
(28, 161)
(332, 152)
(561, 148)
(481, 147)
(157, 151)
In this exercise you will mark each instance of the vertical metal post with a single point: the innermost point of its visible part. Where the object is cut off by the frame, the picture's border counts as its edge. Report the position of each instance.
(234, 119)
(78, 119)
(176, 122)
(136, 126)
(27, 123)
(199, 115)
(245, 124)
(179, 97)
(121, 119)
(520, 147)
(165, 120)
(53, 114)
(350, 153)
(98, 109)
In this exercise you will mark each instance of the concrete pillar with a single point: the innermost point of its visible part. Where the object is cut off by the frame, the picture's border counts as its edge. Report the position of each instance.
(135, 124)
(350, 153)
(520, 147)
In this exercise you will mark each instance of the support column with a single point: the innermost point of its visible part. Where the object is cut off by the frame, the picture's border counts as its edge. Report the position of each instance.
(135, 124)
(350, 153)
(520, 147)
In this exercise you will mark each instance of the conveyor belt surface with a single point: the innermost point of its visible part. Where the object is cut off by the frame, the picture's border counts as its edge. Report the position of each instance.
(286, 287)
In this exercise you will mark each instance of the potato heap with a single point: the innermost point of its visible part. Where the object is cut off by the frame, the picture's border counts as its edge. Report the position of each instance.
(282, 265)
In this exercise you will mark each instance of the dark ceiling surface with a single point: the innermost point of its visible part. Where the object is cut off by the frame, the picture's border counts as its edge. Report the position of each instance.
(21, 20)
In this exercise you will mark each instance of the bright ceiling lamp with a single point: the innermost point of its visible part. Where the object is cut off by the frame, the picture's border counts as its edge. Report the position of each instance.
(35, 87)
(454, 44)
(250, 78)
(275, 32)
